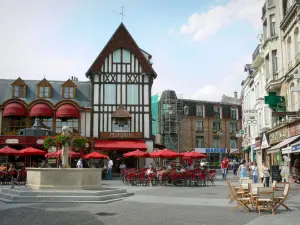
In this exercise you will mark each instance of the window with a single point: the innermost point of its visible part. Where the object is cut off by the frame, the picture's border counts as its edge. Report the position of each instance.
(132, 94)
(272, 26)
(117, 56)
(216, 143)
(72, 123)
(233, 143)
(233, 113)
(265, 30)
(289, 50)
(274, 61)
(18, 91)
(110, 94)
(121, 125)
(47, 122)
(271, 3)
(125, 56)
(200, 110)
(199, 142)
(11, 125)
(296, 38)
(199, 126)
(44, 92)
(216, 126)
(233, 127)
(217, 112)
(267, 66)
(68, 92)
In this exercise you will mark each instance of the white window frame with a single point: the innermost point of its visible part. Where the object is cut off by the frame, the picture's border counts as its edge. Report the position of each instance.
(199, 128)
(199, 111)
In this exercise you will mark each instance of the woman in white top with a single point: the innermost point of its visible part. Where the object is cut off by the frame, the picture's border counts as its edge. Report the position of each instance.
(254, 172)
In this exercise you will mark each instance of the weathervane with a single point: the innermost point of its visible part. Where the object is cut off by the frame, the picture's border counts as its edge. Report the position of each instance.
(121, 13)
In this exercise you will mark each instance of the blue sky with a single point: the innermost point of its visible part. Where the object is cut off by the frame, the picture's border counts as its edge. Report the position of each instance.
(199, 47)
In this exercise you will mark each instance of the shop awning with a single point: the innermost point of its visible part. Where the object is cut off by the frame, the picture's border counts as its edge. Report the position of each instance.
(120, 145)
(41, 110)
(282, 144)
(286, 150)
(67, 111)
(246, 148)
(15, 109)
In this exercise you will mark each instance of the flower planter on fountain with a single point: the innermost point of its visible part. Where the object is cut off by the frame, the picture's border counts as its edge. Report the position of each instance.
(65, 177)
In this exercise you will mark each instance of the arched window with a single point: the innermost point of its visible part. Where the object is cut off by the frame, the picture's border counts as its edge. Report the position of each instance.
(296, 39)
(289, 50)
(293, 98)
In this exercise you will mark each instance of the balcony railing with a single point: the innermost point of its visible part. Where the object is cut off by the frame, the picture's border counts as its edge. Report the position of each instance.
(256, 52)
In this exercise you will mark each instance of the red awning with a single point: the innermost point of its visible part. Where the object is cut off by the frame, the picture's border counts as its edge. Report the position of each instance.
(41, 110)
(120, 145)
(67, 111)
(15, 109)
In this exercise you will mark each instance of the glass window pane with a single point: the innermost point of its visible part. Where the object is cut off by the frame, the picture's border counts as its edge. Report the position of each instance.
(132, 94)
(66, 92)
(126, 56)
(110, 94)
(46, 92)
(117, 56)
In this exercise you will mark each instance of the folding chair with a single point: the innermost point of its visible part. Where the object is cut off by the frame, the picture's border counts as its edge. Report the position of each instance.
(241, 201)
(265, 199)
(279, 201)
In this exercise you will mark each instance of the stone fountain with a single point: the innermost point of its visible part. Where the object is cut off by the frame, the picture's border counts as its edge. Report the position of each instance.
(65, 177)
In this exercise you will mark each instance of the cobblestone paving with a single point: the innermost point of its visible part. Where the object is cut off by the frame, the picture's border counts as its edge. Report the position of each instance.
(149, 206)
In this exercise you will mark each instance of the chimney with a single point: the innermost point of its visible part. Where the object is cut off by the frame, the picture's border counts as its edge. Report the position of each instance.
(235, 94)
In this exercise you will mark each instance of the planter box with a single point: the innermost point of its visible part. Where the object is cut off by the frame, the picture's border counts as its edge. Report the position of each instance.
(64, 178)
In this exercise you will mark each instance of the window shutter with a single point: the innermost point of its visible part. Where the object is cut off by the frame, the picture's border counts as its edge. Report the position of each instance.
(226, 111)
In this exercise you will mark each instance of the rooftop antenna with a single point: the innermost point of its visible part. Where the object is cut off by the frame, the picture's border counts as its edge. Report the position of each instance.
(121, 13)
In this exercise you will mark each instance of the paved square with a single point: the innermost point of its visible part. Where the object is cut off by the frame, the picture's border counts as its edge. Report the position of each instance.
(150, 206)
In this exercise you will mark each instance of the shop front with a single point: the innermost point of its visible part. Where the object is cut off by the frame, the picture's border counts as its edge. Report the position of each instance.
(278, 139)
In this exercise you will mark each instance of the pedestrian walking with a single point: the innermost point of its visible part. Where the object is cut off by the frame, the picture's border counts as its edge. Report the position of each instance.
(224, 166)
(254, 172)
(242, 171)
(109, 169)
(14, 174)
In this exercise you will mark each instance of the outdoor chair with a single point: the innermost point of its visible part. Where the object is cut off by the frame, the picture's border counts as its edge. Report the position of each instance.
(279, 200)
(265, 199)
(239, 192)
(241, 201)
(253, 192)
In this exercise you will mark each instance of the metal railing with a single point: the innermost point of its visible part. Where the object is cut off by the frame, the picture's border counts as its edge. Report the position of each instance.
(290, 65)
(256, 53)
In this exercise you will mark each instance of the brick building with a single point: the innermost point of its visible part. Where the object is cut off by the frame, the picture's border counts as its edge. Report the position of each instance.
(186, 125)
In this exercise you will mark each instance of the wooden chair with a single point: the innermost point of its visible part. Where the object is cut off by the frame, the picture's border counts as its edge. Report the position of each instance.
(265, 199)
(279, 201)
(241, 201)
(238, 191)
(253, 192)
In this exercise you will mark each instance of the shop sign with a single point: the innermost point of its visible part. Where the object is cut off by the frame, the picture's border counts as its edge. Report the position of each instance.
(121, 135)
(214, 150)
(264, 142)
(11, 141)
(296, 147)
(40, 141)
(295, 129)
(278, 135)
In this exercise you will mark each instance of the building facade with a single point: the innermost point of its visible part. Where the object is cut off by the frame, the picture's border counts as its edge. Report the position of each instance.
(122, 78)
(58, 103)
(189, 125)
(275, 67)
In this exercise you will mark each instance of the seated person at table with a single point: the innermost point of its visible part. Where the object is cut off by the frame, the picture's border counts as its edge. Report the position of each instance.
(190, 167)
(148, 172)
(181, 169)
(3, 168)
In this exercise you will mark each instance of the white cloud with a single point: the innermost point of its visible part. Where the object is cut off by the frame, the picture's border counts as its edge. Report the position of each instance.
(204, 25)
(227, 85)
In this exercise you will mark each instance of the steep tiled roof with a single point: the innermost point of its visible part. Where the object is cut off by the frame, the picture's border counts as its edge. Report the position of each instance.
(121, 112)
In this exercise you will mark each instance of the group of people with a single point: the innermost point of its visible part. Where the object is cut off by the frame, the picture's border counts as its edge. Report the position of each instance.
(247, 169)
(14, 173)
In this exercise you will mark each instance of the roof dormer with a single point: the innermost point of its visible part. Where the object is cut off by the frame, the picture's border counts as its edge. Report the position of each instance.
(19, 88)
(44, 89)
(69, 89)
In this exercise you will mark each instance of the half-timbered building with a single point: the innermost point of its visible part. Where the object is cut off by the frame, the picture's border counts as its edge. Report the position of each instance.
(122, 78)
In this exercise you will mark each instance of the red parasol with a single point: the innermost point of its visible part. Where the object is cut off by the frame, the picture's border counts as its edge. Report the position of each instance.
(8, 151)
(59, 152)
(95, 155)
(137, 154)
(166, 153)
(193, 155)
(31, 151)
